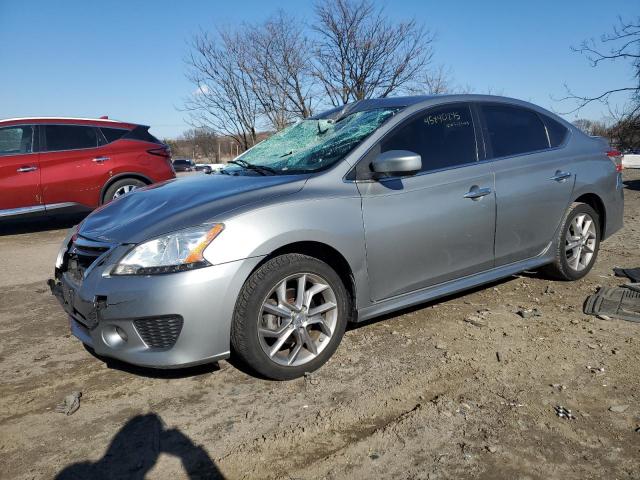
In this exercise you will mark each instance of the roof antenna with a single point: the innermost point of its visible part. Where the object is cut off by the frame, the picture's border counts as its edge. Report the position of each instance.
(104, 117)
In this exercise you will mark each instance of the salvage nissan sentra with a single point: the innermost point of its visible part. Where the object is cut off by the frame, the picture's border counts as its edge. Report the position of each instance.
(357, 212)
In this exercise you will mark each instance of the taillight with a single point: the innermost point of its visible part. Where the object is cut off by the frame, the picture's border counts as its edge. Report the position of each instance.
(616, 157)
(160, 152)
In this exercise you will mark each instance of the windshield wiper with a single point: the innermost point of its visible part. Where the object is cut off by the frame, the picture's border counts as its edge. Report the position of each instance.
(261, 169)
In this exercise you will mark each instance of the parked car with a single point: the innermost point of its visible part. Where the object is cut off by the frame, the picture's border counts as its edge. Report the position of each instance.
(631, 160)
(61, 164)
(184, 165)
(355, 213)
(204, 167)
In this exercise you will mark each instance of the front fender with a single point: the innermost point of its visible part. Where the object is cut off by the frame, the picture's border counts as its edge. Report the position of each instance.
(333, 221)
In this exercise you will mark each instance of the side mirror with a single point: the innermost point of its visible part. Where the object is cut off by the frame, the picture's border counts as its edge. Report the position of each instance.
(397, 162)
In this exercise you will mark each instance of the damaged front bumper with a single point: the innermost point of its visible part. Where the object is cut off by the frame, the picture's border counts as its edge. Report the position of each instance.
(162, 321)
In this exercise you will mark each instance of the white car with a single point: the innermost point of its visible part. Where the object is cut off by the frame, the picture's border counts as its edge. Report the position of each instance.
(631, 160)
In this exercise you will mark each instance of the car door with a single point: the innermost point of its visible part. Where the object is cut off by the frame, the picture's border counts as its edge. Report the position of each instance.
(439, 224)
(533, 181)
(74, 168)
(19, 171)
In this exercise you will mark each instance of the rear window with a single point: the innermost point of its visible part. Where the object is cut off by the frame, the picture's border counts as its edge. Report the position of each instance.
(16, 140)
(557, 132)
(181, 162)
(141, 133)
(113, 134)
(514, 130)
(69, 137)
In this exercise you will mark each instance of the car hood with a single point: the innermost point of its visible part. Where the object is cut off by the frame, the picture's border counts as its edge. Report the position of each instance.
(181, 203)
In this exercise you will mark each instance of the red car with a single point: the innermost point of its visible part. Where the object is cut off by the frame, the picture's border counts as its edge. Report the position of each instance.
(48, 165)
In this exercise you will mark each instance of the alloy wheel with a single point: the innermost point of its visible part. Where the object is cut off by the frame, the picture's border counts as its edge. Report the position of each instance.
(580, 242)
(123, 190)
(297, 319)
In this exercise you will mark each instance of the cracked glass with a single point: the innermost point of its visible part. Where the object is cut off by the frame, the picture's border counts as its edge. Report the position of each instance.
(313, 145)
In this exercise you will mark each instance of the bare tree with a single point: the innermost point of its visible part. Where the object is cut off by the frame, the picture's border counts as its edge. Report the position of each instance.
(281, 68)
(224, 99)
(622, 44)
(591, 127)
(437, 81)
(361, 54)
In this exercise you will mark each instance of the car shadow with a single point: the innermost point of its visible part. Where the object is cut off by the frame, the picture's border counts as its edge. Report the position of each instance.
(40, 224)
(632, 184)
(135, 449)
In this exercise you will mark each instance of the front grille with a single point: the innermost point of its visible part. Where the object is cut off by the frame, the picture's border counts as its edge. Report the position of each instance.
(160, 332)
(81, 255)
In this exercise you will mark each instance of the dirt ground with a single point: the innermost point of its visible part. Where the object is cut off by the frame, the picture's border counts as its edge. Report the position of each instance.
(416, 395)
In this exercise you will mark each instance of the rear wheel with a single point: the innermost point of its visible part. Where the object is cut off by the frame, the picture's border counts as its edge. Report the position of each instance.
(576, 247)
(121, 187)
(290, 317)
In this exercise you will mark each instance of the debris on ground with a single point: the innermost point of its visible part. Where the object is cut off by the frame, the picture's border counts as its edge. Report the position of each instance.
(632, 286)
(616, 302)
(564, 413)
(529, 312)
(632, 274)
(618, 408)
(70, 404)
(558, 386)
(478, 319)
(596, 370)
(311, 379)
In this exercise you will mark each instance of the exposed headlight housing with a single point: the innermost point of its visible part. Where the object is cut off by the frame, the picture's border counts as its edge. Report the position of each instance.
(176, 252)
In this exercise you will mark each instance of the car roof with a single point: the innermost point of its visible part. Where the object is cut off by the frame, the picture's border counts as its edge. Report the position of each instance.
(95, 122)
(402, 102)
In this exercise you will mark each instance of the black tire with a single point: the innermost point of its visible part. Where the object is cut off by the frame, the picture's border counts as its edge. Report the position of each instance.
(560, 268)
(123, 182)
(245, 342)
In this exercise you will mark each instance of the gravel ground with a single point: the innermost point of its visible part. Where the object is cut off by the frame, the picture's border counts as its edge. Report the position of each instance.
(418, 394)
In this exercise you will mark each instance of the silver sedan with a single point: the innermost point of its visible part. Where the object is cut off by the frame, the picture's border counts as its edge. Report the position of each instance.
(342, 217)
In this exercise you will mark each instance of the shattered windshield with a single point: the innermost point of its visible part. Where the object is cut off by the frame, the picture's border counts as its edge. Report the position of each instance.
(310, 145)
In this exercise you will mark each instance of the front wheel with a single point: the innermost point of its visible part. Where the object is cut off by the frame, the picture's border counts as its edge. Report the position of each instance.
(290, 317)
(577, 245)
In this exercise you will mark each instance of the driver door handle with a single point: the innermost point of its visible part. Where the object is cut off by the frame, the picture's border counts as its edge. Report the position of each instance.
(100, 159)
(27, 169)
(560, 176)
(476, 193)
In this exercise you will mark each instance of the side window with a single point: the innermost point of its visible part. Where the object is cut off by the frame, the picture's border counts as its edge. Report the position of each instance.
(444, 137)
(141, 132)
(16, 140)
(513, 130)
(113, 134)
(70, 137)
(557, 132)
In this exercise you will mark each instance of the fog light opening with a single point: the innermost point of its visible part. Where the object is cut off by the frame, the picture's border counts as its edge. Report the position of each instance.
(114, 336)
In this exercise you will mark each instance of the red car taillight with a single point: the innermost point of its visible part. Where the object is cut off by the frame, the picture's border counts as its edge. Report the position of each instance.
(160, 152)
(616, 157)
(164, 152)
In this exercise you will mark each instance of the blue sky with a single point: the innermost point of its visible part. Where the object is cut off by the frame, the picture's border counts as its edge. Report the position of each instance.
(125, 58)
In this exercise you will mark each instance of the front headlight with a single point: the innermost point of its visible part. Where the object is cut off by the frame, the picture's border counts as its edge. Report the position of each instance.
(175, 252)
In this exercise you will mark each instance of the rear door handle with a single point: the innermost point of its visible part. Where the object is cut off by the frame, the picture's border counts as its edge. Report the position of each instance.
(560, 176)
(100, 159)
(476, 193)
(27, 169)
